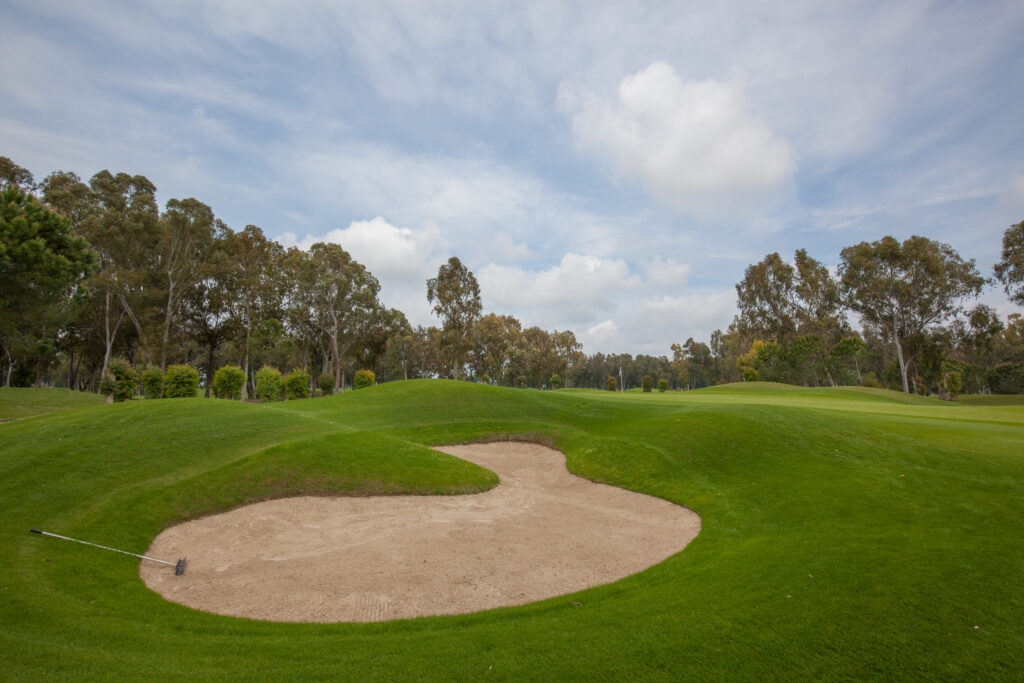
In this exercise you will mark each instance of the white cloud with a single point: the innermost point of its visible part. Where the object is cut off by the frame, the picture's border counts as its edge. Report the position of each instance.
(668, 272)
(577, 290)
(602, 336)
(693, 145)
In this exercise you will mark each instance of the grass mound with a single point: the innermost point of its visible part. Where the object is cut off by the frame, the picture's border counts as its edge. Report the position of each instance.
(18, 403)
(846, 534)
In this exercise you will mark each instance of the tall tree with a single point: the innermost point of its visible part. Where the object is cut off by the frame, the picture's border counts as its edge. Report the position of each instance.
(766, 297)
(259, 286)
(456, 298)
(906, 290)
(339, 294)
(186, 233)
(12, 175)
(1010, 269)
(41, 265)
(122, 226)
(206, 304)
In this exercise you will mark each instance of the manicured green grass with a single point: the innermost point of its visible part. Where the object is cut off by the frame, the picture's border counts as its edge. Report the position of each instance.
(846, 534)
(20, 403)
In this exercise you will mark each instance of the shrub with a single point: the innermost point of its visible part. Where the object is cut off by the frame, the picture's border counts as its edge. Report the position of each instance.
(556, 382)
(228, 381)
(612, 384)
(870, 380)
(363, 379)
(326, 384)
(663, 385)
(181, 381)
(1007, 378)
(486, 379)
(952, 384)
(108, 385)
(125, 379)
(153, 382)
(268, 384)
(647, 383)
(521, 381)
(296, 385)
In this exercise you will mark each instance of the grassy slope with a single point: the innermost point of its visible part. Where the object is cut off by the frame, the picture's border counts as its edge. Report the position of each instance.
(16, 403)
(847, 534)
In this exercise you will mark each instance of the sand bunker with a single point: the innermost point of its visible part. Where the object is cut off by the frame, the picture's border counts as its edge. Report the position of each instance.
(541, 532)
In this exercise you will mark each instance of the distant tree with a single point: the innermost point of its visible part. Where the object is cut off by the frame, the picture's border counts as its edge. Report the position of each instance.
(612, 384)
(906, 289)
(555, 382)
(766, 297)
(647, 383)
(456, 298)
(186, 232)
(663, 385)
(1010, 269)
(14, 176)
(41, 266)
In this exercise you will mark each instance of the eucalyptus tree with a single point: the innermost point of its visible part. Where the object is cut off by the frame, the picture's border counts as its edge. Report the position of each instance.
(494, 339)
(13, 175)
(258, 286)
(338, 293)
(206, 305)
(122, 226)
(906, 290)
(455, 294)
(186, 232)
(1010, 269)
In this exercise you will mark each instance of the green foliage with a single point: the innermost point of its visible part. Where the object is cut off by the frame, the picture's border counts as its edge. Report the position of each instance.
(455, 294)
(268, 384)
(296, 385)
(326, 384)
(1010, 269)
(486, 379)
(662, 385)
(952, 384)
(181, 381)
(108, 385)
(125, 378)
(871, 381)
(555, 382)
(228, 382)
(521, 381)
(647, 384)
(153, 382)
(1007, 378)
(612, 384)
(364, 379)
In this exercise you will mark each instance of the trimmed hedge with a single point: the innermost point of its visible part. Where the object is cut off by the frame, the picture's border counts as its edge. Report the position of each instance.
(181, 381)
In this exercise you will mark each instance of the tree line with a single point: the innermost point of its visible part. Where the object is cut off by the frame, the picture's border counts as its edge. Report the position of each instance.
(93, 272)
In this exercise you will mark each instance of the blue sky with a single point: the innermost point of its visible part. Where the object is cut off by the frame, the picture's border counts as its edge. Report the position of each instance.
(609, 168)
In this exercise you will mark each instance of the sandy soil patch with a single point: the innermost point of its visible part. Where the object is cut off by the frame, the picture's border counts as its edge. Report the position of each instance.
(541, 532)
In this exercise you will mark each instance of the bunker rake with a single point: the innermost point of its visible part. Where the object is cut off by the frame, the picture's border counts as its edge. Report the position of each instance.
(179, 566)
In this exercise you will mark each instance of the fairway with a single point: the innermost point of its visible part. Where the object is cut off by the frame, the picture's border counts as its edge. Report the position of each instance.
(846, 534)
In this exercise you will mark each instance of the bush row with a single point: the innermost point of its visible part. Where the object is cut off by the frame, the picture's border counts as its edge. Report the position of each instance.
(122, 381)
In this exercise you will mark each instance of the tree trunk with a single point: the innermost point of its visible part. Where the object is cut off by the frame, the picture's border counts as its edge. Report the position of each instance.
(210, 350)
(245, 385)
(903, 366)
(167, 330)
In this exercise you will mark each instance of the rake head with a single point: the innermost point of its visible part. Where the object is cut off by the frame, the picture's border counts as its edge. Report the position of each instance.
(179, 568)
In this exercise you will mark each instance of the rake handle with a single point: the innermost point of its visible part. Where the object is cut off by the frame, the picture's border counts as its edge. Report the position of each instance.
(97, 545)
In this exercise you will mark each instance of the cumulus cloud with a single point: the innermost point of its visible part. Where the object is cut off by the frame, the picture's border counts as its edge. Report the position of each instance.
(400, 258)
(693, 145)
(577, 290)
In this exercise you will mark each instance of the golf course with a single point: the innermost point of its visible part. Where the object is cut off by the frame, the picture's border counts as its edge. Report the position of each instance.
(845, 533)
